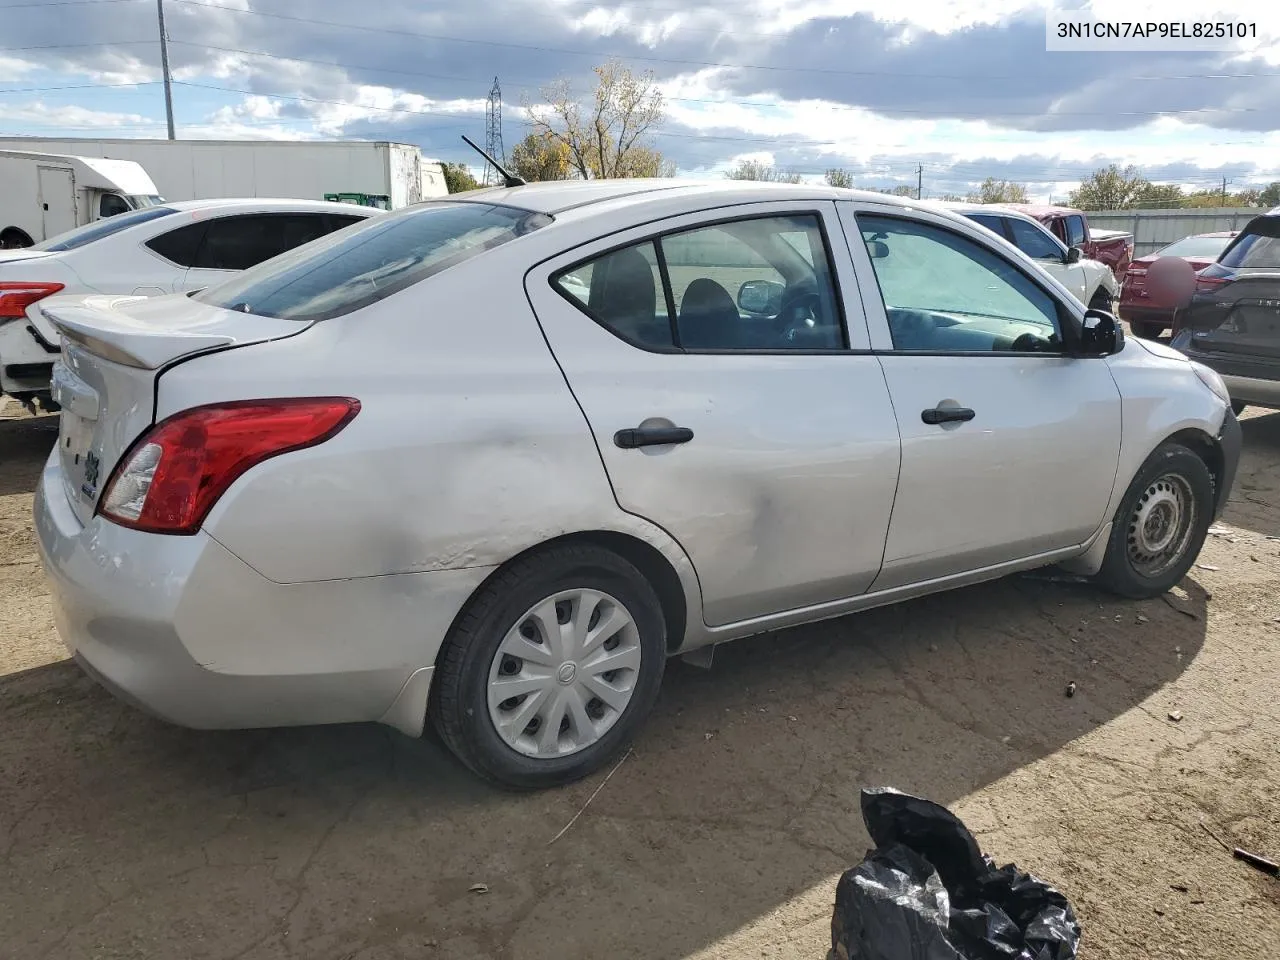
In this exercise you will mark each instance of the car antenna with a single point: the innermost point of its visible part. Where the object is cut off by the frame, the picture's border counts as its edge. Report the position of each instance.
(508, 179)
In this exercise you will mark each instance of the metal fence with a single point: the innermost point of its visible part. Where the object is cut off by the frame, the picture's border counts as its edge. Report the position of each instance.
(1153, 229)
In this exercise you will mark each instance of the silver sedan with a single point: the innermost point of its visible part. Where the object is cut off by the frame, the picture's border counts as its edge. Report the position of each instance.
(491, 460)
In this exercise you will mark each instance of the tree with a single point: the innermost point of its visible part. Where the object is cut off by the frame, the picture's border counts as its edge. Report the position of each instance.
(1270, 196)
(540, 157)
(458, 178)
(1109, 188)
(607, 136)
(1158, 195)
(759, 170)
(998, 191)
(901, 190)
(839, 177)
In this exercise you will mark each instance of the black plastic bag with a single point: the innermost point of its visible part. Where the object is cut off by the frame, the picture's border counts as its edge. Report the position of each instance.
(927, 892)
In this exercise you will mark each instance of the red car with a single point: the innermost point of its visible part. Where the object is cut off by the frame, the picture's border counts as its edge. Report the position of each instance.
(1150, 321)
(1071, 226)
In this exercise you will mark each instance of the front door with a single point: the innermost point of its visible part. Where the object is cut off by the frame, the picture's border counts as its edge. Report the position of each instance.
(710, 357)
(1009, 446)
(57, 200)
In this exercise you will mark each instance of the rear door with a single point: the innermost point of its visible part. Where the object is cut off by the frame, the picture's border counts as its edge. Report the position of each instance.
(717, 342)
(1009, 446)
(57, 200)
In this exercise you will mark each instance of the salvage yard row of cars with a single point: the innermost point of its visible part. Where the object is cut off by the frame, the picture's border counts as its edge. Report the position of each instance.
(489, 461)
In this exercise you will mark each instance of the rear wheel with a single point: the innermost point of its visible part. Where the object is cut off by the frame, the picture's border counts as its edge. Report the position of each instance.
(1160, 525)
(1101, 301)
(552, 669)
(11, 238)
(1146, 330)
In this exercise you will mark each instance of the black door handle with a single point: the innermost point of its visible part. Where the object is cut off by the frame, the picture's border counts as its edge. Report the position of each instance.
(634, 437)
(946, 414)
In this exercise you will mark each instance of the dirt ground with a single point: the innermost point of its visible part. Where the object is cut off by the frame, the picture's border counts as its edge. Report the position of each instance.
(723, 834)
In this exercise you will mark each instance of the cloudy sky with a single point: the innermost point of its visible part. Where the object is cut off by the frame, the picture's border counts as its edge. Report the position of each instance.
(963, 91)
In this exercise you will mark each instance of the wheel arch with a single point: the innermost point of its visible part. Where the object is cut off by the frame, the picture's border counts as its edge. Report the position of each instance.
(644, 556)
(1203, 445)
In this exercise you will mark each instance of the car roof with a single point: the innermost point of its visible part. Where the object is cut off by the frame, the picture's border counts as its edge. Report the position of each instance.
(1038, 210)
(995, 209)
(557, 196)
(268, 203)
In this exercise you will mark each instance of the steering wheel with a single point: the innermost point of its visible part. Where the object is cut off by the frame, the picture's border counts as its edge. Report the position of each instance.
(1030, 343)
(801, 311)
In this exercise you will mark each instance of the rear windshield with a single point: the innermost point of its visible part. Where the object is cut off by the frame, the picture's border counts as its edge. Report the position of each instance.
(1258, 245)
(102, 228)
(362, 264)
(1195, 247)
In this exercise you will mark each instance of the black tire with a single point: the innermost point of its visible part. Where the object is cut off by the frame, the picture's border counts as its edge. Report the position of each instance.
(11, 238)
(1238, 407)
(1121, 573)
(1101, 301)
(1145, 330)
(459, 703)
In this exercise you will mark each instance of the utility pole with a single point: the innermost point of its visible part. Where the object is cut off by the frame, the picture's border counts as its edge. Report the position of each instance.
(164, 67)
(920, 181)
(1224, 191)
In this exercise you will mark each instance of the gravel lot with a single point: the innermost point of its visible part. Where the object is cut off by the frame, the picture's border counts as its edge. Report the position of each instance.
(724, 832)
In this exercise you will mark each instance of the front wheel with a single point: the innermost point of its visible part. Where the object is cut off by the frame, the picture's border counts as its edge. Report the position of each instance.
(552, 669)
(1160, 525)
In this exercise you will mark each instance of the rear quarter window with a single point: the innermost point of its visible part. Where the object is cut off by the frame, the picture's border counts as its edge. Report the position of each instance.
(365, 263)
(1257, 246)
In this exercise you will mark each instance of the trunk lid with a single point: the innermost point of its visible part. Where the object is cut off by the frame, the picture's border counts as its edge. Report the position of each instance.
(114, 349)
(1241, 318)
(14, 256)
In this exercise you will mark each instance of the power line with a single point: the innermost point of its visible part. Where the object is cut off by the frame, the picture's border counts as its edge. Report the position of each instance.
(80, 86)
(74, 46)
(63, 3)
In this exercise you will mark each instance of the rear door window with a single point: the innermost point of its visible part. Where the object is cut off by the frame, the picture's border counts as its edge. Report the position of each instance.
(240, 242)
(991, 222)
(180, 246)
(353, 268)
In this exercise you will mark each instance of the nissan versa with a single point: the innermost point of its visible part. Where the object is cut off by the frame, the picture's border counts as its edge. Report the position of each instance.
(490, 460)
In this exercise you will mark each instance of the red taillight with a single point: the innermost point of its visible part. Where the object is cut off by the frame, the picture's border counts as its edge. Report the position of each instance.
(176, 471)
(1210, 284)
(16, 297)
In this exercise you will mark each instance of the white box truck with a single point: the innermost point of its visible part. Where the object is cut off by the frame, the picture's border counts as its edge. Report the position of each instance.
(375, 173)
(45, 194)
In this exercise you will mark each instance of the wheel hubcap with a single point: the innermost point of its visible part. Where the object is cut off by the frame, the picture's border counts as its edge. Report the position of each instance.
(1161, 525)
(564, 674)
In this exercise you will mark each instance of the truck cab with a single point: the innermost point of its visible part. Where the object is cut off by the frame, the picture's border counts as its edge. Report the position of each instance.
(45, 194)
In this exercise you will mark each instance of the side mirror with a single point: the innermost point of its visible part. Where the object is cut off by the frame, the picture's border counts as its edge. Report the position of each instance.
(761, 296)
(1100, 335)
(1074, 254)
(877, 249)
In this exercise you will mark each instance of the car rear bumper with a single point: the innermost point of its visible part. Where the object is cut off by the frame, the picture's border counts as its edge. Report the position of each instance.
(186, 630)
(1135, 312)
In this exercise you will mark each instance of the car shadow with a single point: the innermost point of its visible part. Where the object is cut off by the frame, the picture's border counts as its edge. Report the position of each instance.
(1254, 503)
(123, 833)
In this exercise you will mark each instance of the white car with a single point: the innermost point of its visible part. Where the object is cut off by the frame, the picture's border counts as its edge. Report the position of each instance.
(1092, 283)
(169, 248)
(491, 460)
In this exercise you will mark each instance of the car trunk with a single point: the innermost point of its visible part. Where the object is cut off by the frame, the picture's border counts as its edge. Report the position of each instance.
(1242, 318)
(114, 351)
(1135, 279)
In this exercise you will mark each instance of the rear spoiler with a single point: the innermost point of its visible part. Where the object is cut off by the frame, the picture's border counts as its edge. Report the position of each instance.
(93, 322)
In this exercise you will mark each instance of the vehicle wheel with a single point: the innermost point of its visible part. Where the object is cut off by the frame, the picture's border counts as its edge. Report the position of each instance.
(552, 668)
(1160, 526)
(1148, 331)
(1101, 301)
(1237, 407)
